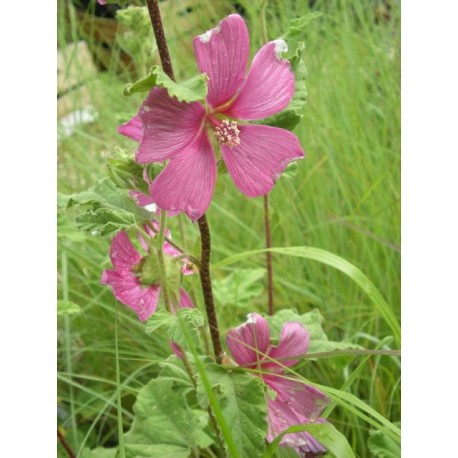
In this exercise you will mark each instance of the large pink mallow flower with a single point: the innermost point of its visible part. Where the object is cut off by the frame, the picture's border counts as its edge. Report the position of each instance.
(295, 403)
(125, 282)
(255, 155)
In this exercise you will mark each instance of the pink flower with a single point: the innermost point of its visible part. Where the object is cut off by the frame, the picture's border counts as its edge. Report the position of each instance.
(255, 155)
(102, 2)
(296, 403)
(125, 282)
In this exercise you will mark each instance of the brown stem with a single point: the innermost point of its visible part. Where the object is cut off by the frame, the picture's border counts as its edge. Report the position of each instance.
(205, 279)
(206, 283)
(270, 285)
(65, 444)
(156, 21)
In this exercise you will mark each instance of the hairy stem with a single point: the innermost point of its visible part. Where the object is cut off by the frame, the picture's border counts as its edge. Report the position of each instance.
(205, 280)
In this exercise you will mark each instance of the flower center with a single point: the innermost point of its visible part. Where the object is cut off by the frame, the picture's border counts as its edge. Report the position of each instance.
(227, 133)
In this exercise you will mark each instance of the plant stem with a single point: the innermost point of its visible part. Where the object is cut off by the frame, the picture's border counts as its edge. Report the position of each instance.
(205, 279)
(160, 255)
(122, 451)
(158, 29)
(65, 444)
(270, 284)
(270, 281)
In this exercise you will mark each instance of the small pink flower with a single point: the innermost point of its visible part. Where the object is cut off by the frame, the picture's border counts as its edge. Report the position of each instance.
(255, 155)
(296, 403)
(102, 2)
(125, 283)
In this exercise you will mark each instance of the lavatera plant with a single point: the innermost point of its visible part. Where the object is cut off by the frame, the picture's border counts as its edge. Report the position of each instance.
(249, 396)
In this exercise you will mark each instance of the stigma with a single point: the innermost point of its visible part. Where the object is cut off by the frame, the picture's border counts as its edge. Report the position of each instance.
(227, 133)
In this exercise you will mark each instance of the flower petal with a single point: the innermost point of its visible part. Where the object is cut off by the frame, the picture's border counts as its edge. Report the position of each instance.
(249, 342)
(306, 400)
(269, 86)
(294, 341)
(187, 182)
(123, 254)
(222, 53)
(186, 301)
(260, 158)
(128, 290)
(281, 417)
(132, 128)
(169, 126)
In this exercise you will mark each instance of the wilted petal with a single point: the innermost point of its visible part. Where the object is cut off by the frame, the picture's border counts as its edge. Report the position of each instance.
(128, 290)
(187, 182)
(304, 399)
(260, 158)
(132, 128)
(123, 254)
(269, 86)
(169, 126)
(222, 53)
(294, 341)
(249, 342)
(280, 418)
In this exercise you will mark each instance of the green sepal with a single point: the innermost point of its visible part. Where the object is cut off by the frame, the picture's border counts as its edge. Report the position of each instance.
(191, 90)
(127, 174)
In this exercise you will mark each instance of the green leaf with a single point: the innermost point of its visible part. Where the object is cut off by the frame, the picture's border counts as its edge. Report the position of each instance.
(99, 452)
(164, 424)
(67, 308)
(326, 433)
(383, 446)
(330, 259)
(239, 286)
(292, 114)
(111, 209)
(172, 325)
(313, 320)
(243, 404)
(297, 26)
(192, 90)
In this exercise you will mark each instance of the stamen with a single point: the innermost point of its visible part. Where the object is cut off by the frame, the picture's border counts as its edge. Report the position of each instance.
(227, 133)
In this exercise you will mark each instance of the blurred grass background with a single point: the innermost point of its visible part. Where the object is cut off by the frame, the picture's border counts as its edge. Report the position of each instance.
(345, 198)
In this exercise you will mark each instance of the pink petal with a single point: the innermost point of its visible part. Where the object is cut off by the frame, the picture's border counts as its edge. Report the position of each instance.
(175, 349)
(142, 199)
(269, 86)
(261, 157)
(132, 128)
(128, 290)
(187, 182)
(306, 400)
(123, 254)
(169, 126)
(280, 418)
(249, 342)
(186, 301)
(222, 53)
(294, 341)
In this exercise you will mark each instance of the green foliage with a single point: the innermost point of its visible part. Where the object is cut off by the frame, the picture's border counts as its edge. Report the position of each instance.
(326, 433)
(191, 90)
(164, 424)
(100, 452)
(67, 308)
(111, 208)
(383, 446)
(243, 404)
(172, 325)
(125, 173)
(239, 286)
